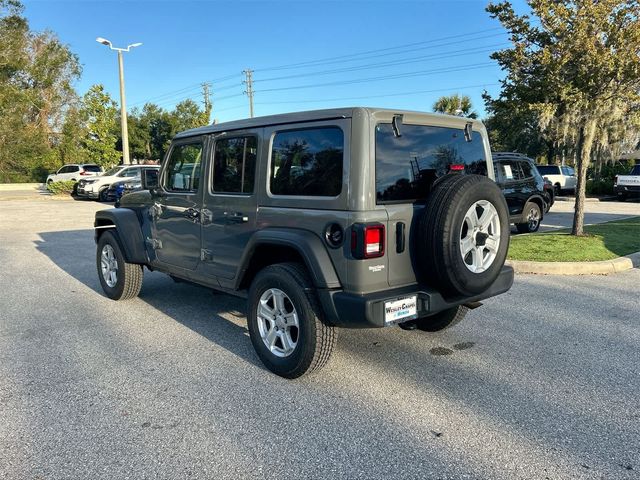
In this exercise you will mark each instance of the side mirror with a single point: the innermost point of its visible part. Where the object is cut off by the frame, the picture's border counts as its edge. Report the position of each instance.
(149, 179)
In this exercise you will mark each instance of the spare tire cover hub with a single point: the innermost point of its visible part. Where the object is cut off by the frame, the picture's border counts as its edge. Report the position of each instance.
(480, 236)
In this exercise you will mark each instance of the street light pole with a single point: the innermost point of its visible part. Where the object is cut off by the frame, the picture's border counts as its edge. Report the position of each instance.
(123, 114)
(123, 103)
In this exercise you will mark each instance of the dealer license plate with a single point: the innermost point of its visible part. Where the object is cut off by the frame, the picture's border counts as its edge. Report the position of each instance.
(401, 309)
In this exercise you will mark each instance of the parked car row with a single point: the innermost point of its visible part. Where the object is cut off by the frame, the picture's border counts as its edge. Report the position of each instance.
(93, 183)
(74, 172)
(97, 188)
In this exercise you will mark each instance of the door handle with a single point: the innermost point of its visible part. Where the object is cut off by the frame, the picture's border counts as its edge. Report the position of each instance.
(236, 217)
(192, 214)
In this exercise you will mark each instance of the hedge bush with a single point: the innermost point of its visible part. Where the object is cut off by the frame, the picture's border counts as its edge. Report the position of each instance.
(64, 187)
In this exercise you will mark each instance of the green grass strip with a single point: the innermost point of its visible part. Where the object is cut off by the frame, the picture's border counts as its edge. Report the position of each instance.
(603, 241)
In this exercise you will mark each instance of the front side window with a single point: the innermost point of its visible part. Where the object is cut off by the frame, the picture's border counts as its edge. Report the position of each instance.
(307, 162)
(183, 168)
(234, 165)
(407, 165)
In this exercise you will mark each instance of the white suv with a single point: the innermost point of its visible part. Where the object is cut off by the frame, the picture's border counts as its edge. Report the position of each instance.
(98, 187)
(562, 177)
(74, 171)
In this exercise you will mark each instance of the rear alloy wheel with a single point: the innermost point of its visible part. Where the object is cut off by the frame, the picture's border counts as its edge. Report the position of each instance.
(533, 216)
(120, 280)
(102, 195)
(285, 321)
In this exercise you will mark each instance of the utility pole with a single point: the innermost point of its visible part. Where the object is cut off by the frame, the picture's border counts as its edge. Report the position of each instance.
(208, 106)
(249, 91)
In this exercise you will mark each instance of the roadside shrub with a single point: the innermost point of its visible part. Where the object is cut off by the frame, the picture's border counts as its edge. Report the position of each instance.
(599, 187)
(61, 188)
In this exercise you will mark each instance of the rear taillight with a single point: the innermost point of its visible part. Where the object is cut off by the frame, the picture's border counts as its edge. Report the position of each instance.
(457, 167)
(84, 172)
(367, 240)
(615, 181)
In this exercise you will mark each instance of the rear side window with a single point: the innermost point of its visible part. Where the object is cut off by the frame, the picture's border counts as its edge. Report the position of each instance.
(508, 171)
(407, 166)
(307, 162)
(183, 168)
(234, 165)
(548, 169)
(526, 169)
(568, 171)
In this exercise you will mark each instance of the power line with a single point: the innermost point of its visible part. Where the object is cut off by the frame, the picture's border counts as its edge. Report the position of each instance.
(348, 56)
(193, 87)
(450, 54)
(415, 92)
(386, 77)
(172, 96)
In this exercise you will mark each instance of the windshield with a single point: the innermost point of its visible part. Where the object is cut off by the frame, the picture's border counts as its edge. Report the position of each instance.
(113, 171)
(635, 170)
(407, 166)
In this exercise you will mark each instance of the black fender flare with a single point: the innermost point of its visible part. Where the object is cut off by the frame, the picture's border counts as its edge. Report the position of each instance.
(127, 226)
(310, 247)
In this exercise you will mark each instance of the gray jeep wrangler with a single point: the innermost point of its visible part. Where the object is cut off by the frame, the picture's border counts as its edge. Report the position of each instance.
(355, 217)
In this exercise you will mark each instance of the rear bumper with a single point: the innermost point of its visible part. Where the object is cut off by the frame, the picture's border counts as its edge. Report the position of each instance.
(367, 311)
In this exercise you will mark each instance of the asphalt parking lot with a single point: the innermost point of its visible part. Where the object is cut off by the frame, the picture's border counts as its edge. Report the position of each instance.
(542, 382)
(561, 213)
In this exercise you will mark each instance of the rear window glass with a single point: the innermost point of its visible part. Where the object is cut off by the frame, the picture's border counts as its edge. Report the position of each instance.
(307, 162)
(635, 170)
(407, 166)
(92, 168)
(548, 169)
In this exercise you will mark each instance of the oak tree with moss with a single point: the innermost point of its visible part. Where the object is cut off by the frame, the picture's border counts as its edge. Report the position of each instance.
(575, 63)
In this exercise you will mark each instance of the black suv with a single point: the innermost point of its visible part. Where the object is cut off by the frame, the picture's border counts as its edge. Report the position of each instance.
(523, 188)
(353, 217)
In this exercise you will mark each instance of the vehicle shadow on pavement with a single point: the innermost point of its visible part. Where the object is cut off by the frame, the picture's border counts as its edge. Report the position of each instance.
(195, 307)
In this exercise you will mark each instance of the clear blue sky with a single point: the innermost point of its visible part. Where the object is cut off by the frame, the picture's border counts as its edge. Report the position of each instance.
(418, 51)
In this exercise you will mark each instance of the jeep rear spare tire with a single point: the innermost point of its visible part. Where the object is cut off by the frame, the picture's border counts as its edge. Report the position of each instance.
(463, 235)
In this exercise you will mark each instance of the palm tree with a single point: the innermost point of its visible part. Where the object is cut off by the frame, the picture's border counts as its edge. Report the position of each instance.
(455, 104)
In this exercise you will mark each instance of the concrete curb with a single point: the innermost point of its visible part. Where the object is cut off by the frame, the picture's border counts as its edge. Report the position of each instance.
(604, 267)
(11, 187)
(607, 198)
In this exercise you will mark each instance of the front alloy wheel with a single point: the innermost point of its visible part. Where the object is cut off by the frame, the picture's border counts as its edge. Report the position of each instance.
(119, 279)
(109, 266)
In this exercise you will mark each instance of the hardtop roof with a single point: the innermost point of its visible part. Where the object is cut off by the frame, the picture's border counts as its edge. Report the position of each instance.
(311, 115)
